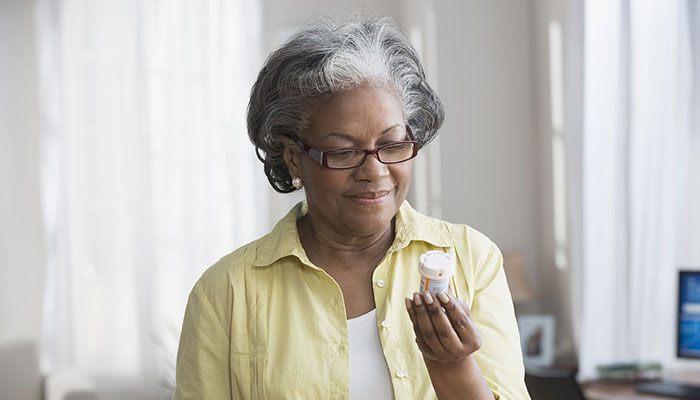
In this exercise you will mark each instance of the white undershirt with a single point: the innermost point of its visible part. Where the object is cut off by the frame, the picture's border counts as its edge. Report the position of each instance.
(369, 374)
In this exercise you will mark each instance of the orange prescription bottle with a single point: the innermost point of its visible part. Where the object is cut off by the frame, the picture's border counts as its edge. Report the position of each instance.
(436, 269)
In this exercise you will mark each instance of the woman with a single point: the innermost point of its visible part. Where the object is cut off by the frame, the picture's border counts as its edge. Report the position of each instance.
(324, 305)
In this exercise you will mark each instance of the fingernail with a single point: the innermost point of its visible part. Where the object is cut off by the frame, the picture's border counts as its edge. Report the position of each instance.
(444, 297)
(428, 297)
(408, 303)
(417, 300)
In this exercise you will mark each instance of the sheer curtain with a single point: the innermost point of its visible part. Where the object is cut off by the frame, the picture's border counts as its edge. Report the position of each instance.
(641, 175)
(148, 176)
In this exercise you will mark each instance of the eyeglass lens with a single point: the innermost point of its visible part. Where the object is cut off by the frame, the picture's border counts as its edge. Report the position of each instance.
(394, 153)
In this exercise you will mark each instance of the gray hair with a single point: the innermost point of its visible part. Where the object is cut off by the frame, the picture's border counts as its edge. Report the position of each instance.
(325, 58)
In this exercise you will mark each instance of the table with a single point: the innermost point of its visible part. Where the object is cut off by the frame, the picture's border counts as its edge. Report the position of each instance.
(625, 391)
(616, 391)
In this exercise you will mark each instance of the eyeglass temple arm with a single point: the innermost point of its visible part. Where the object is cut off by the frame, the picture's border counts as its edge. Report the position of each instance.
(316, 155)
(410, 134)
(313, 153)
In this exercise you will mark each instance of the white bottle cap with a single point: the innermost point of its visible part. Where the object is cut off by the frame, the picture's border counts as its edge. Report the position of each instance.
(436, 265)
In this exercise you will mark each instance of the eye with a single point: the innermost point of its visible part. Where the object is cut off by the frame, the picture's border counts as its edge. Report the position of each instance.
(344, 155)
(397, 148)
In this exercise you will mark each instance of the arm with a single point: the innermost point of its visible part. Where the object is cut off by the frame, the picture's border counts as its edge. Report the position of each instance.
(499, 356)
(203, 354)
(461, 380)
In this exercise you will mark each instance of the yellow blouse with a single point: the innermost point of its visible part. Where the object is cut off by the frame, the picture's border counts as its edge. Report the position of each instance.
(265, 323)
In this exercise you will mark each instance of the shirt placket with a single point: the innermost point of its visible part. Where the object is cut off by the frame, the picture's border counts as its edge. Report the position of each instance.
(386, 320)
(337, 346)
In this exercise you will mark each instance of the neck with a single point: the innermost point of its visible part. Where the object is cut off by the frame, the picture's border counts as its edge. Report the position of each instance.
(323, 243)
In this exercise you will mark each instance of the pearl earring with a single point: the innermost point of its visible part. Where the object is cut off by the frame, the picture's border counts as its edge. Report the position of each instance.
(296, 182)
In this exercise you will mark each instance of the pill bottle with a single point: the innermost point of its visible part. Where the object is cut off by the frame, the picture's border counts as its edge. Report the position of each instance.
(436, 269)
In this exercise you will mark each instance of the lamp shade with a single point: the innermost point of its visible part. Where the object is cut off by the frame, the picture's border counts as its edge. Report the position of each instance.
(518, 281)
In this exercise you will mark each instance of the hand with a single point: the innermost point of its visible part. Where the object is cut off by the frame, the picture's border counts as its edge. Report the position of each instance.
(444, 327)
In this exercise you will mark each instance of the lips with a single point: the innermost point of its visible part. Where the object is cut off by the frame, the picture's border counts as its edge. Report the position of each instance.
(370, 197)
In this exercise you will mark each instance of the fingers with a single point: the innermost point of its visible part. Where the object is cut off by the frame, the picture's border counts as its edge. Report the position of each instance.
(425, 323)
(433, 327)
(441, 324)
(460, 317)
(424, 348)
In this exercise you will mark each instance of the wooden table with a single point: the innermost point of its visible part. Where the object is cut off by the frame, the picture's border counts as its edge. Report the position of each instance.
(625, 391)
(616, 391)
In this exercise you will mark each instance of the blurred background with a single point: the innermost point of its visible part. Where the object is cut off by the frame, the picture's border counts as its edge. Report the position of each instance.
(572, 139)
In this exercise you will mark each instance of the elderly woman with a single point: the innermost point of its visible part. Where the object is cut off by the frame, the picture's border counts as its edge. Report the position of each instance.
(324, 305)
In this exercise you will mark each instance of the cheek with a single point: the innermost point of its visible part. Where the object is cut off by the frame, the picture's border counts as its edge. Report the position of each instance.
(323, 181)
(402, 175)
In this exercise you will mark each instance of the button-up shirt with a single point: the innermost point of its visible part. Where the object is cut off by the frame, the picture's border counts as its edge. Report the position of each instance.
(264, 322)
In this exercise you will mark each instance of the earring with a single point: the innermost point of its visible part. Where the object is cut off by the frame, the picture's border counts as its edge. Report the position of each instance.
(296, 182)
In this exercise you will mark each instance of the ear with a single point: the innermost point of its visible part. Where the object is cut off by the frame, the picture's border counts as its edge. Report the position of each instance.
(292, 159)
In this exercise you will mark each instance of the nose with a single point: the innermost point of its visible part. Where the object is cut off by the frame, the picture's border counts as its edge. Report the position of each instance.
(371, 169)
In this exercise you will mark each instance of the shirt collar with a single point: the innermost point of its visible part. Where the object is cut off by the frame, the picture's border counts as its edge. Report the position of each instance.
(414, 226)
(283, 240)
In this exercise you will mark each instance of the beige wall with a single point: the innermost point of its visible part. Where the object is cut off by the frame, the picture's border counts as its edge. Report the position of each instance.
(21, 236)
(493, 66)
(280, 14)
(560, 294)
(489, 149)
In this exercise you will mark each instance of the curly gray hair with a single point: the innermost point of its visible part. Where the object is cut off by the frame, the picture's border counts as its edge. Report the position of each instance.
(325, 58)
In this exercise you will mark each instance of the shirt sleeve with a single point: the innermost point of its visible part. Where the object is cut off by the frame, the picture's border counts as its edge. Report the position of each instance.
(499, 357)
(203, 355)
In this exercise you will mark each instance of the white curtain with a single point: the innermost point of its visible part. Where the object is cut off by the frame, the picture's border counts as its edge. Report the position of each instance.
(640, 176)
(148, 175)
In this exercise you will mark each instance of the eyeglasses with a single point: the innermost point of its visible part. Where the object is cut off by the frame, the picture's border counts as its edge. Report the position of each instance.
(389, 153)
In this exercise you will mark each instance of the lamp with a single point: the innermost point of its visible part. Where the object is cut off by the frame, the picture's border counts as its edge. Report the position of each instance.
(519, 284)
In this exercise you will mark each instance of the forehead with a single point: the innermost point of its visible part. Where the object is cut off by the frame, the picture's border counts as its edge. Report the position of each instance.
(359, 112)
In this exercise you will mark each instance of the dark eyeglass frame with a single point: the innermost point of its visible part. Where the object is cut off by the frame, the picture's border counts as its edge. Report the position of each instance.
(321, 156)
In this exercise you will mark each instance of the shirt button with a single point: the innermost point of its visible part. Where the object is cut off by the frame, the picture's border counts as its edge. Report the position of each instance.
(401, 373)
(381, 283)
(386, 323)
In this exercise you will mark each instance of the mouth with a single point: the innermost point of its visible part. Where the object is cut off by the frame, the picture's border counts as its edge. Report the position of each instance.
(370, 198)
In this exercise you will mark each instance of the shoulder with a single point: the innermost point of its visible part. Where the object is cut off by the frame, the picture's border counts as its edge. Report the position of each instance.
(483, 254)
(464, 234)
(440, 232)
(232, 272)
(476, 253)
(221, 276)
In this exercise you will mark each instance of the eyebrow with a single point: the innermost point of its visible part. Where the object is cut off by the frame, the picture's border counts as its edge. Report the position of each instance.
(350, 137)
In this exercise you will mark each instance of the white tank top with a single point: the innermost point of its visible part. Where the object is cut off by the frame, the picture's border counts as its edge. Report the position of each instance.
(369, 374)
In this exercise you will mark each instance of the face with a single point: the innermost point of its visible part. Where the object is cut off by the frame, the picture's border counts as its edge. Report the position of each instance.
(363, 200)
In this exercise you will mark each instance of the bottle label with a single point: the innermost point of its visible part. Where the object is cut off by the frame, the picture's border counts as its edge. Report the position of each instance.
(434, 286)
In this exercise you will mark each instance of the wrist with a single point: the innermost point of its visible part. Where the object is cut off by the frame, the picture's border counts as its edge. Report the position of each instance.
(449, 366)
(458, 379)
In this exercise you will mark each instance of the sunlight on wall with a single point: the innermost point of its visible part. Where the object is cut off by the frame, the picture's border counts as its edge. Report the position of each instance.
(556, 79)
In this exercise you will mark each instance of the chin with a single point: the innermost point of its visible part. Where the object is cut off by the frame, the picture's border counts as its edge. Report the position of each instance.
(372, 219)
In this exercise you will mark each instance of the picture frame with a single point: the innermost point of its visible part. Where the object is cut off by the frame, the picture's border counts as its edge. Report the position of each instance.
(537, 339)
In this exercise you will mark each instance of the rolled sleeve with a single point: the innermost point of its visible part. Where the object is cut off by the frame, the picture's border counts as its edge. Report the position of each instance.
(493, 313)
